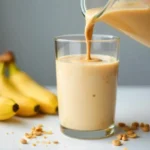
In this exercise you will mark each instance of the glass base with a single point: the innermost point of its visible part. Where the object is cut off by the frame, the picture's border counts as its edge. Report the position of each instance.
(95, 134)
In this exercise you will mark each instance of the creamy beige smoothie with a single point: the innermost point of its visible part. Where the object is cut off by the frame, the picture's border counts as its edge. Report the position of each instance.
(86, 91)
(133, 18)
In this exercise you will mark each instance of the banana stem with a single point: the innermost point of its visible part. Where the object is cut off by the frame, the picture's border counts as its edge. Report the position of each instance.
(2, 68)
(13, 68)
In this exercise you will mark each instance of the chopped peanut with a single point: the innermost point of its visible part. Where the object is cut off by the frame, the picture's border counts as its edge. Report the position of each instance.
(126, 128)
(147, 125)
(145, 129)
(135, 124)
(130, 132)
(28, 135)
(119, 137)
(142, 124)
(116, 142)
(23, 141)
(121, 124)
(39, 129)
(132, 135)
(55, 142)
(125, 138)
(124, 135)
(134, 127)
(38, 133)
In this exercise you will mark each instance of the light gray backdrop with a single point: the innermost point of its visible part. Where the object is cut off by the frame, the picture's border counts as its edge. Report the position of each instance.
(28, 27)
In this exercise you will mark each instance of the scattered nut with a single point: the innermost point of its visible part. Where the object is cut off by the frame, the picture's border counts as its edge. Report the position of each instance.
(135, 124)
(23, 141)
(27, 135)
(126, 128)
(39, 129)
(125, 149)
(119, 137)
(134, 135)
(124, 135)
(130, 132)
(55, 142)
(121, 124)
(38, 133)
(125, 138)
(146, 125)
(145, 129)
(142, 124)
(116, 142)
(134, 127)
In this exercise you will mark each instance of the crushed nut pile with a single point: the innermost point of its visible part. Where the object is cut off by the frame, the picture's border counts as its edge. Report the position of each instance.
(34, 133)
(129, 132)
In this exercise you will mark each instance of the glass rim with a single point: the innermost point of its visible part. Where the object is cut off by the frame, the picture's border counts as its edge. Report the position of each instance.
(103, 38)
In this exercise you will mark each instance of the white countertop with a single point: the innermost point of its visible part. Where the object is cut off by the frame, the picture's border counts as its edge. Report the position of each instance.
(133, 104)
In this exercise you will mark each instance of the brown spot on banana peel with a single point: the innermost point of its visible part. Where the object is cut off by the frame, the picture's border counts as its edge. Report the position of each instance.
(37, 108)
(15, 107)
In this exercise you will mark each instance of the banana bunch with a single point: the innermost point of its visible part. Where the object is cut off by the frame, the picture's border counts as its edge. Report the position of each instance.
(24, 83)
(8, 107)
(27, 106)
(29, 95)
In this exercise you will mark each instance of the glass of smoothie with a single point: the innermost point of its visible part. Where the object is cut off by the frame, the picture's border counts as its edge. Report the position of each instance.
(87, 84)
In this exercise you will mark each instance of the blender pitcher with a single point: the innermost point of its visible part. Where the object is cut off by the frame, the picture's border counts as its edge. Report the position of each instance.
(131, 17)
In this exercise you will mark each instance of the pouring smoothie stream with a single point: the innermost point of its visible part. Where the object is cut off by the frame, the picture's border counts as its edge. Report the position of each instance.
(130, 17)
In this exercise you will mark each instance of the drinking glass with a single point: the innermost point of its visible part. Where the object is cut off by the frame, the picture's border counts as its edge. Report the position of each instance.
(87, 89)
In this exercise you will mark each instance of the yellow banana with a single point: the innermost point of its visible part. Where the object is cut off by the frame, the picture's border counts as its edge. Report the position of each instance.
(8, 108)
(47, 100)
(28, 106)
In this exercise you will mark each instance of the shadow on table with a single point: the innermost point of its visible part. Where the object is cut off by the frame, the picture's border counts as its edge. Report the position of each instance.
(14, 120)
